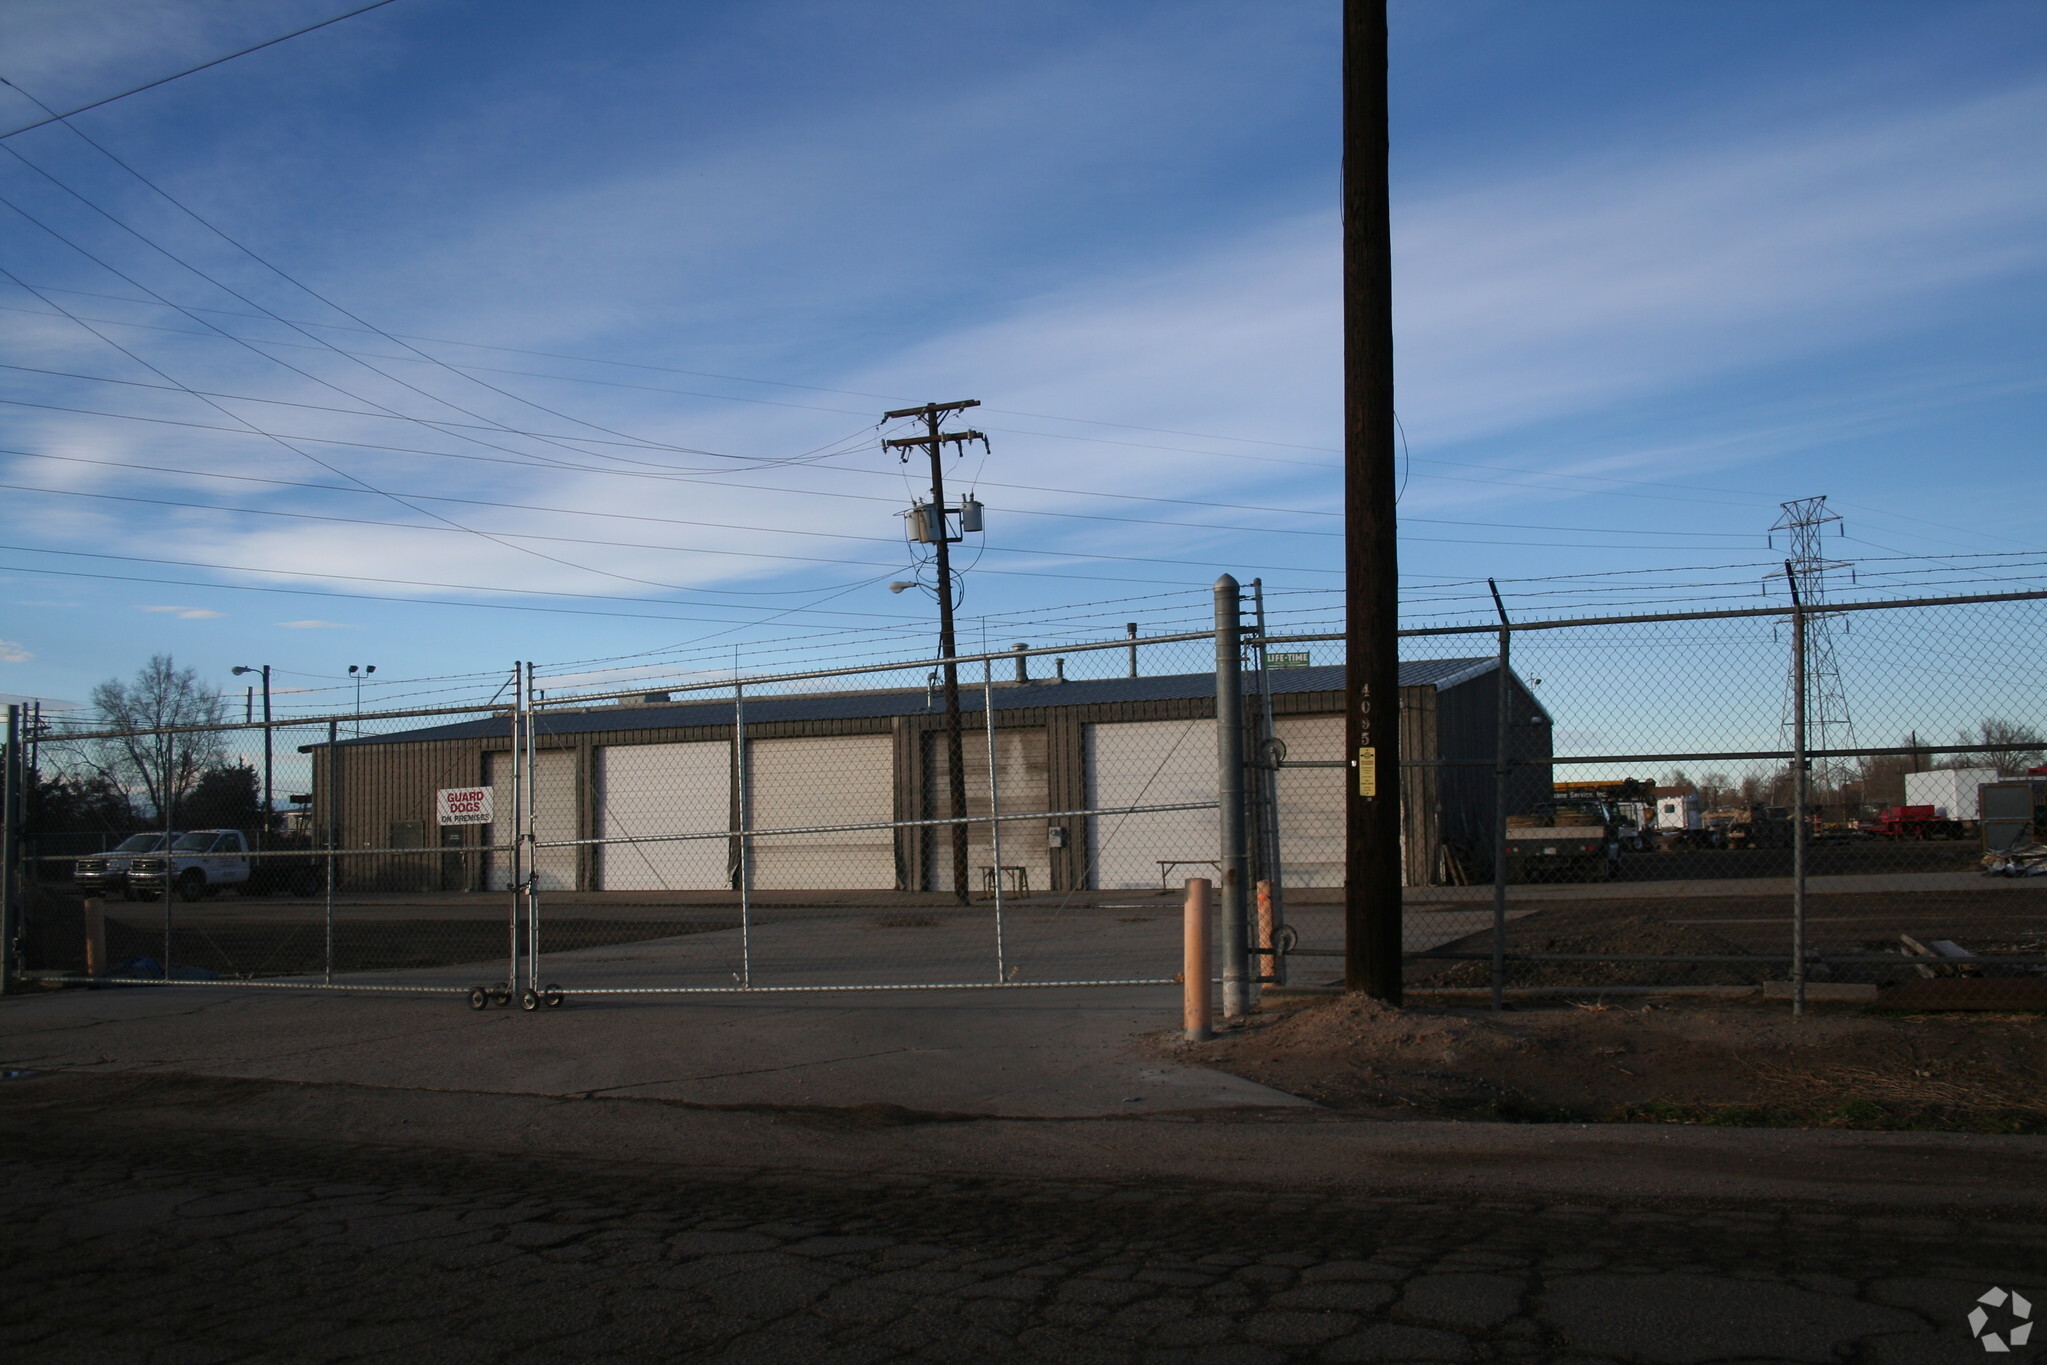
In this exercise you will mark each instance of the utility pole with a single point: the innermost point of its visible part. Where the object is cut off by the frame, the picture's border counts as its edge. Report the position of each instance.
(1371, 917)
(929, 523)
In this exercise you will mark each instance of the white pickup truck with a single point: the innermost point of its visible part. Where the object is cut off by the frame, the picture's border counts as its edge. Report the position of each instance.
(1565, 839)
(199, 863)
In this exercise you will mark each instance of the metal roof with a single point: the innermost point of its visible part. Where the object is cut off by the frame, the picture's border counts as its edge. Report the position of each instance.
(770, 707)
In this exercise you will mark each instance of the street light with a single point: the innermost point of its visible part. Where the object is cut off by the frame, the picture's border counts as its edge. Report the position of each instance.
(359, 672)
(263, 669)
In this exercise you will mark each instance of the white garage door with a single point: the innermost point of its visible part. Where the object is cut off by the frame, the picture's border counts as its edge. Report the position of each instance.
(554, 815)
(830, 780)
(654, 789)
(1147, 763)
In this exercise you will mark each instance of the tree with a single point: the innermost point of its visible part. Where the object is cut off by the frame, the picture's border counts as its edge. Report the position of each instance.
(2017, 747)
(156, 756)
(225, 798)
(64, 803)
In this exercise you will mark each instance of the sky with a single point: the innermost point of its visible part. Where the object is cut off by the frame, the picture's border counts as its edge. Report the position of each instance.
(455, 333)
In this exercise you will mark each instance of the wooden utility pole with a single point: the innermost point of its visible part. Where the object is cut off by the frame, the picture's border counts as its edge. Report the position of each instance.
(1372, 943)
(939, 531)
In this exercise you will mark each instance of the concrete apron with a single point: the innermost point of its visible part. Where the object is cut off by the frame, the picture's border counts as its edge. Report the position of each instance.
(1053, 1053)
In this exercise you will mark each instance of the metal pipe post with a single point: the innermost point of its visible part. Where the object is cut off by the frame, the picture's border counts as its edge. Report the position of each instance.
(11, 811)
(994, 809)
(518, 839)
(739, 763)
(533, 841)
(269, 762)
(333, 824)
(1801, 827)
(1229, 759)
(1502, 736)
(1130, 629)
(1266, 767)
(170, 754)
(1194, 953)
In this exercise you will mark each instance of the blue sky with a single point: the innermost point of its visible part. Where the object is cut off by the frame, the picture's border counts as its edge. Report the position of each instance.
(628, 286)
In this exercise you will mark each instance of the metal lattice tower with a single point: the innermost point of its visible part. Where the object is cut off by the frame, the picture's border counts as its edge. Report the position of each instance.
(1828, 725)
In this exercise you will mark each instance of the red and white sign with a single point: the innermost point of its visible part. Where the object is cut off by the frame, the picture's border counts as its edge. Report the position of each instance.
(463, 805)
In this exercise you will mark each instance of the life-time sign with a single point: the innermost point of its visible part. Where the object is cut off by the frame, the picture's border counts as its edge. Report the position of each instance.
(463, 805)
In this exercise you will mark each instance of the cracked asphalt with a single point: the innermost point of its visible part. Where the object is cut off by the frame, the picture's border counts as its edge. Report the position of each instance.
(279, 1176)
(191, 1220)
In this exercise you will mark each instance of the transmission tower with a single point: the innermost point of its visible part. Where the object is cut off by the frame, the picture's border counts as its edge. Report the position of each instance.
(1828, 725)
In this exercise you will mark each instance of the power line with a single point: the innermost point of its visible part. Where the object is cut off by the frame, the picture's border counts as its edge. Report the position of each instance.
(188, 71)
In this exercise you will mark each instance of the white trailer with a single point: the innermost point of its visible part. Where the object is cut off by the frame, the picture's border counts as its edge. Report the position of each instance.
(1952, 792)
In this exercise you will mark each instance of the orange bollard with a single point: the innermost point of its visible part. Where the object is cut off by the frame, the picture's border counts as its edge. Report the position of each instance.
(95, 939)
(1195, 1005)
(1271, 964)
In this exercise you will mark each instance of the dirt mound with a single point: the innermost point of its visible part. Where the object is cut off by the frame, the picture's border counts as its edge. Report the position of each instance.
(1738, 1064)
(1621, 934)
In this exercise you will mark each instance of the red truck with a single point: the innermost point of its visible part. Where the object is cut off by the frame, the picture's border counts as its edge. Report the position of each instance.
(1913, 822)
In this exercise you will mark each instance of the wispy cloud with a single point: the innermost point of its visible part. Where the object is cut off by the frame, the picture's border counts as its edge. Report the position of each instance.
(317, 625)
(12, 652)
(187, 613)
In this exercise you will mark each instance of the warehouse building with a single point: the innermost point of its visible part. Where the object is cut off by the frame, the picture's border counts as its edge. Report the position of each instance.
(648, 770)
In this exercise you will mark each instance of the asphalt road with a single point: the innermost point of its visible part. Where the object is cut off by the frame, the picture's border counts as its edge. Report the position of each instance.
(177, 1219)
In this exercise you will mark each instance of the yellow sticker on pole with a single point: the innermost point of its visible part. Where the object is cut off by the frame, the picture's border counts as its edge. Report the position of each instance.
(1368, 771)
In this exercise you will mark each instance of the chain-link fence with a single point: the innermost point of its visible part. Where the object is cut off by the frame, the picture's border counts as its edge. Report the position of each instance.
(1835, 801)
(1845, 802)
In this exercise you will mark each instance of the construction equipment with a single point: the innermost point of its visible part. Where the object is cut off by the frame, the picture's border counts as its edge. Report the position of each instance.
(1914, 822)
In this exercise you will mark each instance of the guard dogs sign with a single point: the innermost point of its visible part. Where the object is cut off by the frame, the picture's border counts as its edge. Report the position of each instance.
(463, 805)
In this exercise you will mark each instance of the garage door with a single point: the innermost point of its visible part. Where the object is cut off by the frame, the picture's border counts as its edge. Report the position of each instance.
(655, 789)
(1146, 763)
(554, 815)
(832, 780)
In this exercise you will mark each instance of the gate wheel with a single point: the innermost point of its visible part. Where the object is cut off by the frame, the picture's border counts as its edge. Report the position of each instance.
(501, 995)
(529, 999)
(551, 996)
(479, 998)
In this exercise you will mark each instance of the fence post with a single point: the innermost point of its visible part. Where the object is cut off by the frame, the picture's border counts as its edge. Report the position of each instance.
(12, 807)
(1502, 736)
(744, 859)
(994, 810)
(333, 830)
(1229, 755)
(169, 861)
(1800, 827)
(532, 842)
(1194, 1004)
(518, 840)
(1264, 775)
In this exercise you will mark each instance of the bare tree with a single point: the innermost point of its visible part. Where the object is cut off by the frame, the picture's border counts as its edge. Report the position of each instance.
(156, 757)
(2017, 747)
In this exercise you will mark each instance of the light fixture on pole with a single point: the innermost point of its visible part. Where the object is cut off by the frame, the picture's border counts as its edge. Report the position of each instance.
(268, 761)
(359, 672)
